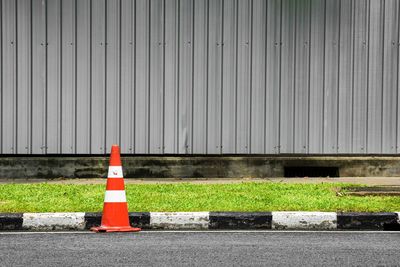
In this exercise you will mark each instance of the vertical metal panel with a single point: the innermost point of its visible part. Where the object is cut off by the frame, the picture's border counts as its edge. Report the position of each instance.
(215, 10)
(331, 76)
(83, 82)
(273, 77)
(113, 70)
(54, 77)
(24, 77)
(156, 76)
(98, 62)
(185, 85)
(345, 77)
(68, 74)
(230, 76)
(317, 75)
(258, 67)
(171, 58)
(375, 73)
(302, 68)
(1, 77)
(390, 76)
(200, 77)
(127, 76)
(360, 79)
(142, 77)
(39, 74)
(288, 75)
(244, 87)
(9, 81)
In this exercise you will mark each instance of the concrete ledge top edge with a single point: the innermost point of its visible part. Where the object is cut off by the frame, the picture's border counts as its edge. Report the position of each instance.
(206, 157)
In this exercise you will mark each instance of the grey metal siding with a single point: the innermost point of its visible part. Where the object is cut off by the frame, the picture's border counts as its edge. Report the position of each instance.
(199, 76)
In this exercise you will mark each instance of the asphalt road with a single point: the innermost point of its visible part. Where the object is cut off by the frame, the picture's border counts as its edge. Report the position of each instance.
(201, 249)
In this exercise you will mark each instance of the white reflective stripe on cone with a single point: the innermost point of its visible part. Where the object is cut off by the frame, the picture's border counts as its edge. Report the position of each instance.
(115, 196)
(115, 172)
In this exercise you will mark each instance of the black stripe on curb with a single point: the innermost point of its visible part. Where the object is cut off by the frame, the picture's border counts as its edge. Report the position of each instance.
(367, 221)
(136, 219)
(11, 221)
(240, 220)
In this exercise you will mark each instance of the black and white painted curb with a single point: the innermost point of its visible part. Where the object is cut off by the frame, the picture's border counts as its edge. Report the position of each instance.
(280, 220)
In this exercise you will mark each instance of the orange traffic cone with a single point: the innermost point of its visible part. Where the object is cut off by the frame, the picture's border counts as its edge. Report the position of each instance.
(115, 216)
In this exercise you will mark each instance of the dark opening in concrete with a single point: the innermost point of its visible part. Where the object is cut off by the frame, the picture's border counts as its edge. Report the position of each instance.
(304, 171)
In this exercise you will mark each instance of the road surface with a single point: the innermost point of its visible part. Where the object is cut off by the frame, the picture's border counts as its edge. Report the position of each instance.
(207, 248)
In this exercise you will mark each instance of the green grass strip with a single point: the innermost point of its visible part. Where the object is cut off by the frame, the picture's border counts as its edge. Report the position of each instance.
(192, 197)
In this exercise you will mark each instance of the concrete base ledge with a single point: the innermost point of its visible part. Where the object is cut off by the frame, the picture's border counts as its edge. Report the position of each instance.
(208, 220)
(194, 166)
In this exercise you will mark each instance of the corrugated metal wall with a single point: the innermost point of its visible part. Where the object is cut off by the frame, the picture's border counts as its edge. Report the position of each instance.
(200, 76)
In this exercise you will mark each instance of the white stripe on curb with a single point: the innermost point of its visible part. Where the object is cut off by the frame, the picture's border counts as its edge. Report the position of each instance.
(54, 221)
(179, 220)
(115, 172)
(304, 220)
(398, 217)
(115, 196)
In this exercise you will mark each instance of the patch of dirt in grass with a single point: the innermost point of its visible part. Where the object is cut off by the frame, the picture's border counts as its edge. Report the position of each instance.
(372, 191)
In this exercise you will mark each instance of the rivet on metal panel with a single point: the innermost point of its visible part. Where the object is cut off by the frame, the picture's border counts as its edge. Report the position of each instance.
(159, 43)
(276, 44)
(130, 43)
(71, 43)
(12, 42)
(188, 42)
(217, 44)
(26, 148)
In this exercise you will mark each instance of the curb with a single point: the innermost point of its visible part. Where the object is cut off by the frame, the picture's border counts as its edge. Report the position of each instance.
(280, 220)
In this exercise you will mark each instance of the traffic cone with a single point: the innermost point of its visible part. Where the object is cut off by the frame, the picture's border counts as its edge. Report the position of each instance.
(115, 216)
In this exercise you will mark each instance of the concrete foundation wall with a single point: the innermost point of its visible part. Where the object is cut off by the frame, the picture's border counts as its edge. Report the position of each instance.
(193, 167)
